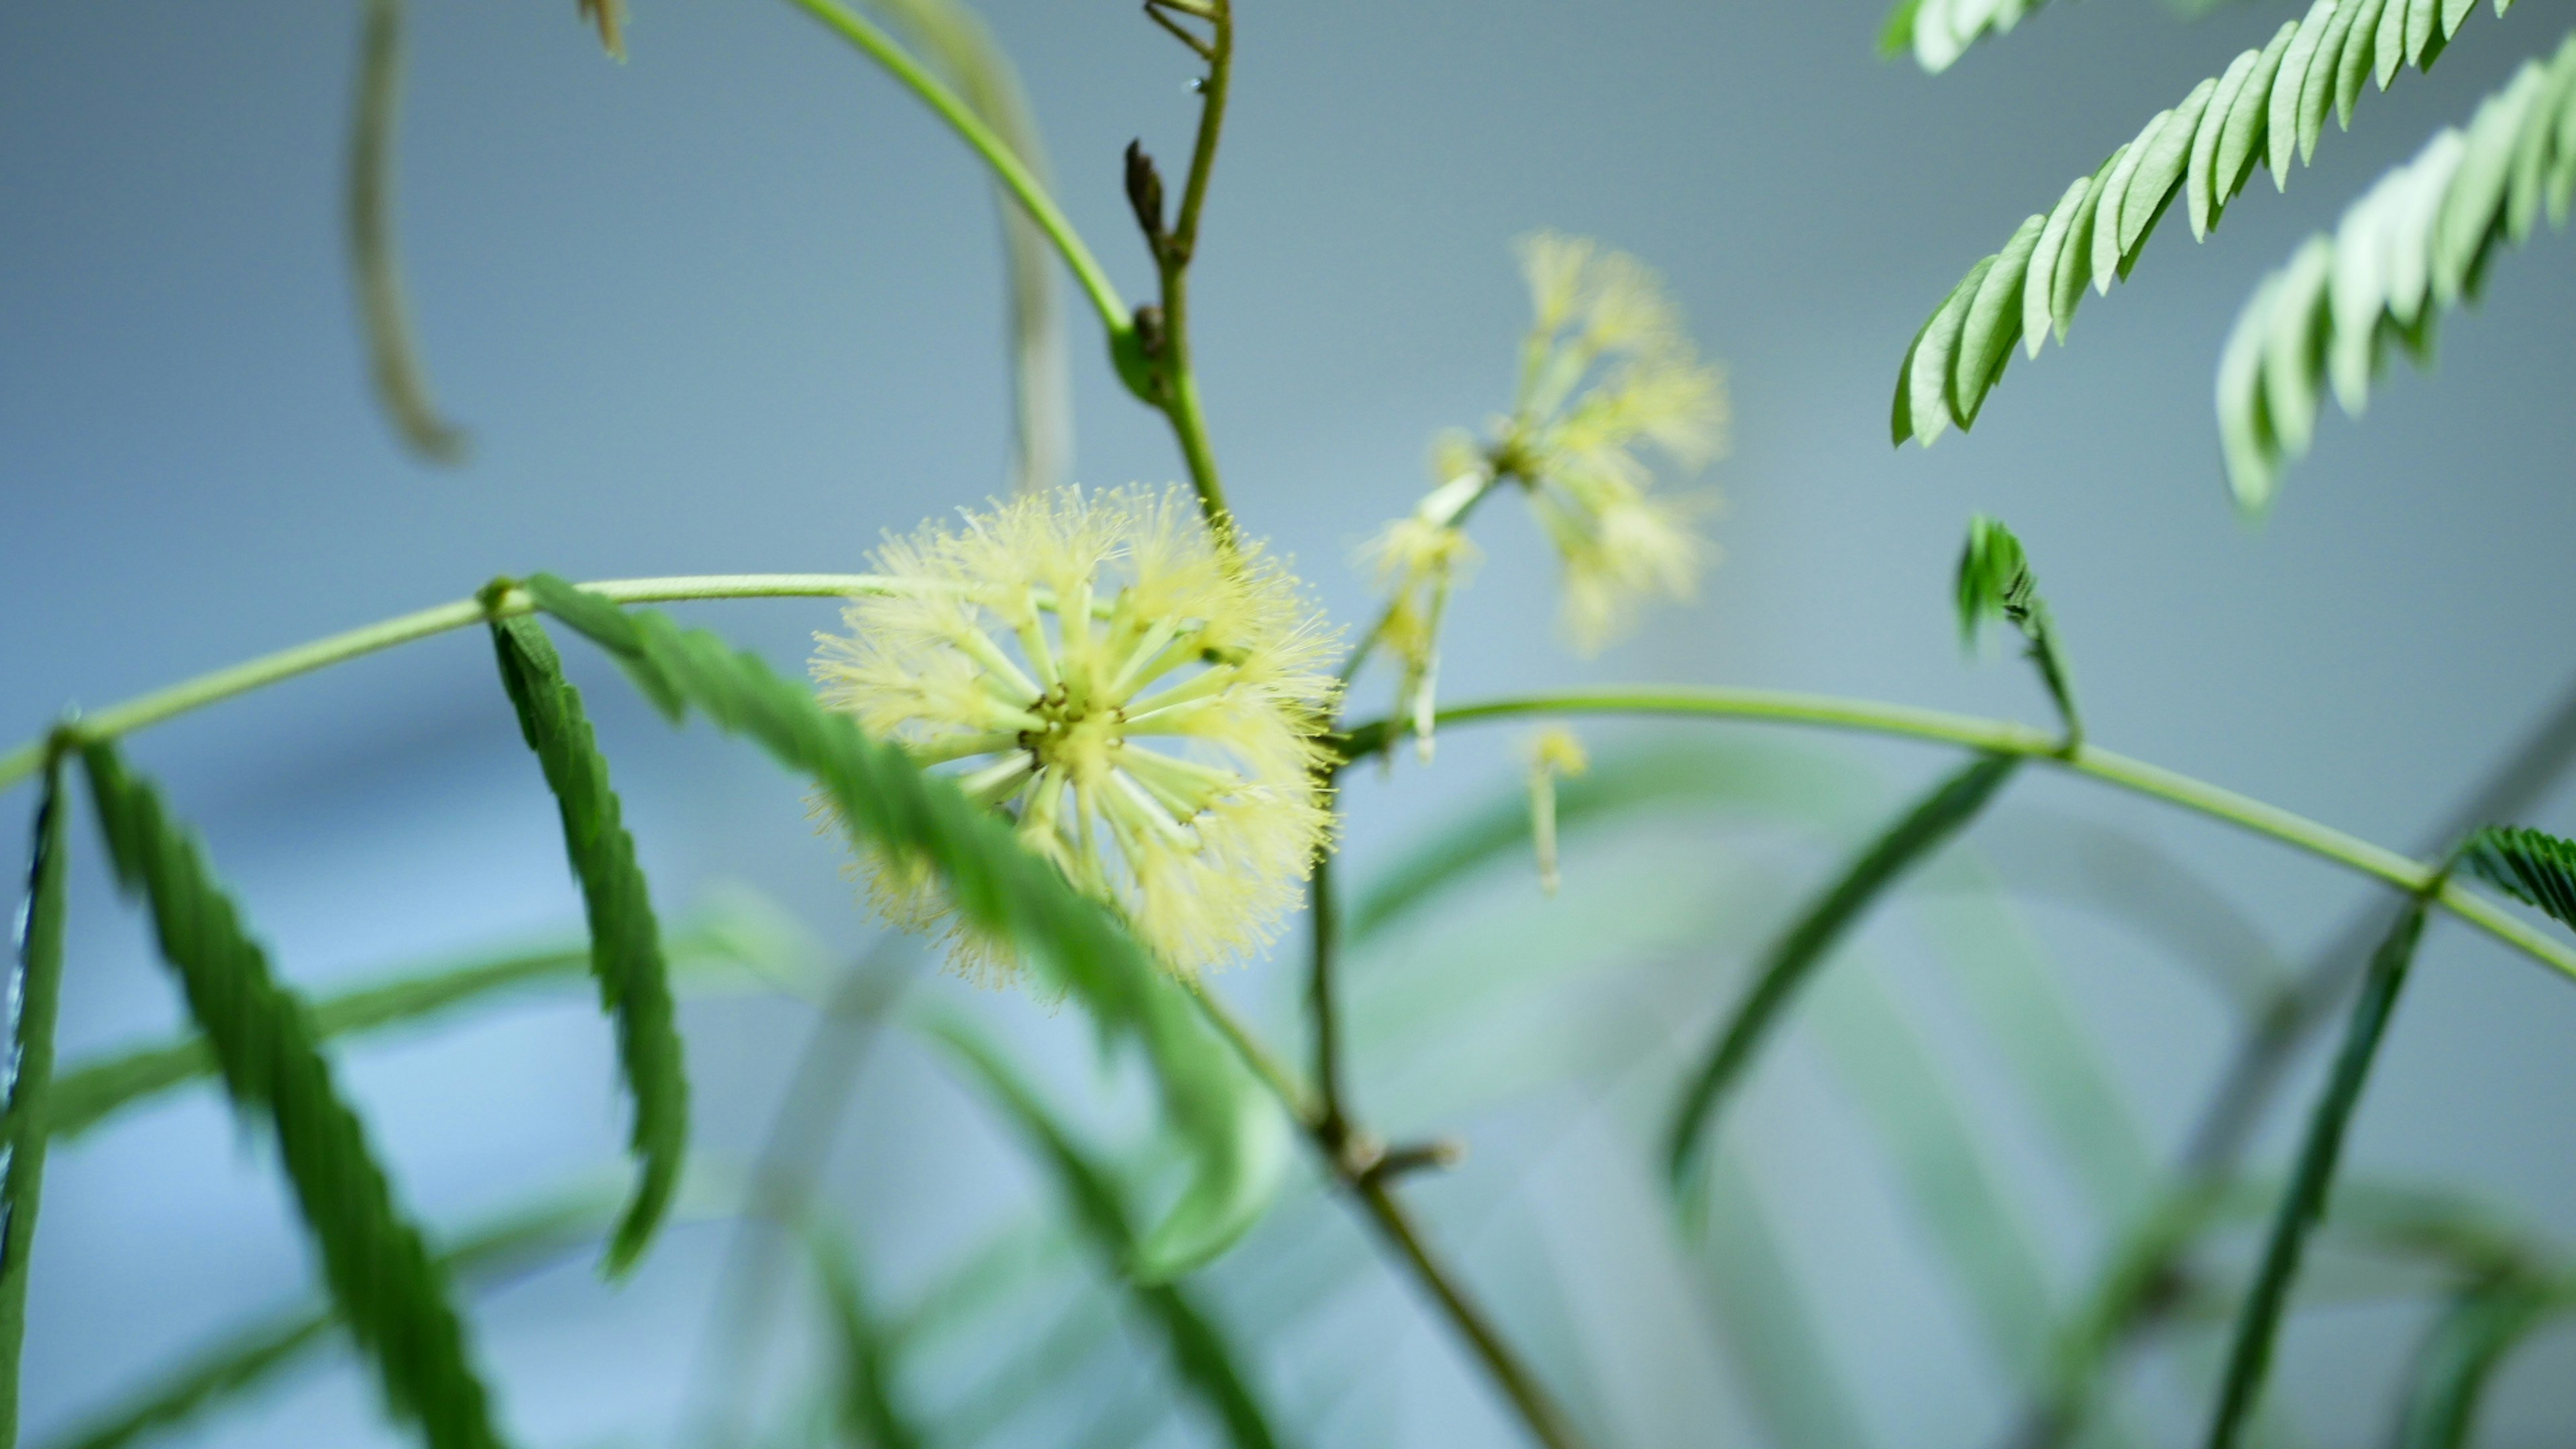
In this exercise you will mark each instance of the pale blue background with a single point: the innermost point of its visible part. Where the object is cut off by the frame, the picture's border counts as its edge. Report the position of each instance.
(734, 306)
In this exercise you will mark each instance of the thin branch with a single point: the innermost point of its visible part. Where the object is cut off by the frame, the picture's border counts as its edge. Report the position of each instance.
(2009, 738)
(997, 153)
(1331, 1125)
(1205, 51)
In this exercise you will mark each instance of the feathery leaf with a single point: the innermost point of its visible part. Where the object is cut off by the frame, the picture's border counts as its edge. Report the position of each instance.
(1201, 1354)
(393, 354)
(392, 1295)
(2415, 245)
(1996, 582)
(1232, 1131)
(34, 995)
(2303, 1203)
(625, 940)
(1795, 956)
(1940, 31)
(2533, 868)
(2269, 104)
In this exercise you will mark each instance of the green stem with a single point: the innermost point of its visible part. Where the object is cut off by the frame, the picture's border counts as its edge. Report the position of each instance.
(988, 144)
(268, 669)
(1178, 393)
(2007, 737)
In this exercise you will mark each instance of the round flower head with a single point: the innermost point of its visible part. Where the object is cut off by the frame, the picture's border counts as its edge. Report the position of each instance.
(1144, 702)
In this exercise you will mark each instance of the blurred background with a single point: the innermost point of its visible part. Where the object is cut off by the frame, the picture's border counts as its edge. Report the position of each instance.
(736, 305)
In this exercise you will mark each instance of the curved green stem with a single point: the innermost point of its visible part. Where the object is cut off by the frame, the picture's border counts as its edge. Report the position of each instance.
(268, 669)
(988, 143)
(2011, 738)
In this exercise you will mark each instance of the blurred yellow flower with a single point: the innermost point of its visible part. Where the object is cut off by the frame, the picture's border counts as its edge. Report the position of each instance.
(1047, 642)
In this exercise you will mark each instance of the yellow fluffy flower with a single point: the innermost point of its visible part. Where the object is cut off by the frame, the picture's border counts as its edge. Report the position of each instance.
(1145, 703)
(1607, 370)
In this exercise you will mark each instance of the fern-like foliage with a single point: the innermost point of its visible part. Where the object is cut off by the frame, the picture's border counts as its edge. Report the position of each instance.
(1940, 31)
(625, 941)
(2267, 108)
(2533, 868)
(2415, 245)
(1232, 1131)
(1995, 582)
(35, 996)
(387, 1288)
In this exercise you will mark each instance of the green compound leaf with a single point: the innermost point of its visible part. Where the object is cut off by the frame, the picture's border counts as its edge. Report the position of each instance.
(1201, 1354)
(2533, 868)
(255, 1354)
(2415, 246)
(37, 994)
(2269, 105)
(625, 941)
(1231, 1130)
(1940, 31)
(2303, 1203)
(2466, 1347)
(393, 1297)
(1996, 582)
(1934, 819)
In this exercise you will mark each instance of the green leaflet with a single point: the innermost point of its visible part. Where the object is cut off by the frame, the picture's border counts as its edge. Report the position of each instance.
(38, 993)
(2415, 245)
(2270, 103)
(1933, 820)
(391, 1294)
(625, 940)
(1230, 1128)
(1201, 1355)
(2258, 1322)
(2533, 868)
(254, 1354)
(871, 1411)
(1995, 582)
(393, 354)
(1940, 31)
(2466, 1347)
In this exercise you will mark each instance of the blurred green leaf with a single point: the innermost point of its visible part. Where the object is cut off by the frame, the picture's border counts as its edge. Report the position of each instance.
(2467, 1345)
(1232, 1129)
(2259, 1322)
(1201, 1355)
(625, 940)
(34, 998)
(872, 1412)
(1939, 815)
(2535, 869)
(1996, 582)
(1782, 1360)
(253, 1355)
(392, 1295)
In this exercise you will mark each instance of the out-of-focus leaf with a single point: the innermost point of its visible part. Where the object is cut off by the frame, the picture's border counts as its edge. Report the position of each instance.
(1781, 1357)
(1201, 1355)
(1933, 820)
(955, 40)
(34, 997)
(711, 945)
(2459, 1359)
(873, 1412)
(253, 1355)
(2259, 1322)
(393, 354)
(389, 1291)
(1233, 1131)
(2533, 868)
(625, 940)
(1996, 582)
